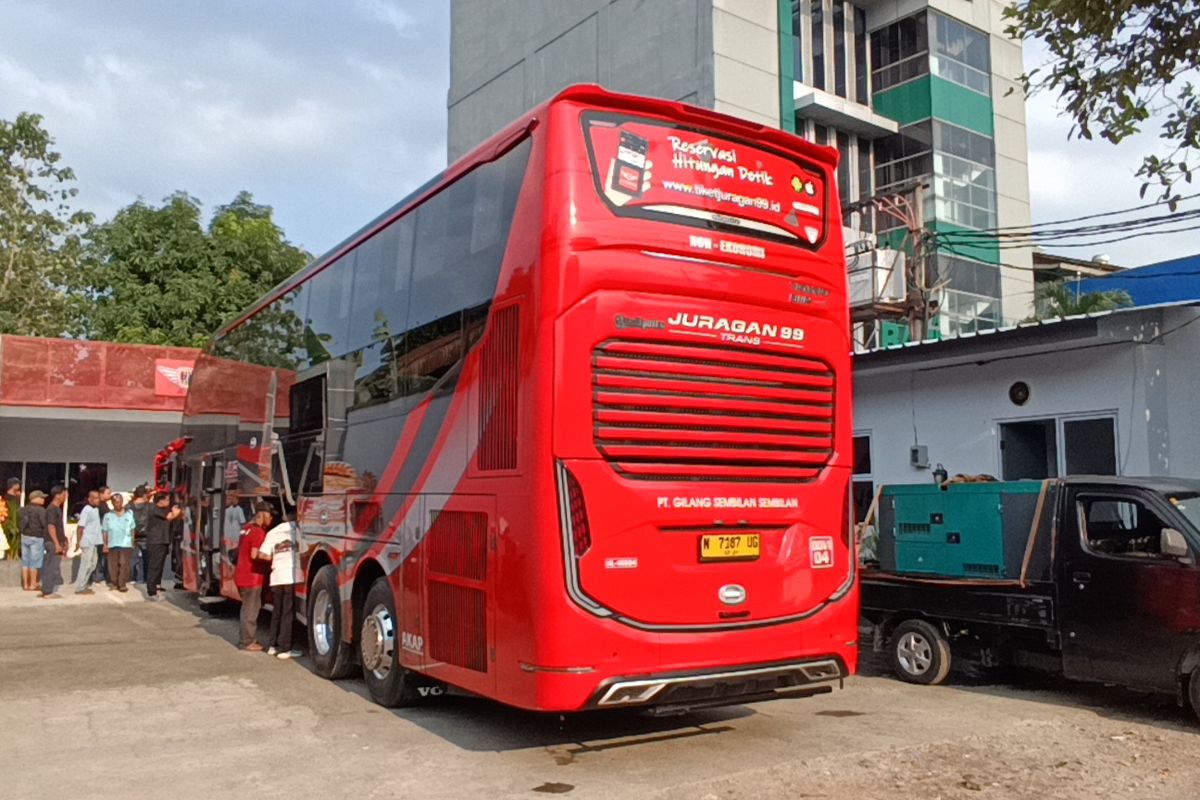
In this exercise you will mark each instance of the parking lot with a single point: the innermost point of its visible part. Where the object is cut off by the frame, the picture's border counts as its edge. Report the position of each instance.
(114, 697)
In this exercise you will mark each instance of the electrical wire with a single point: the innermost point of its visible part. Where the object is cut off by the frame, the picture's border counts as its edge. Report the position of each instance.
(1099, 215)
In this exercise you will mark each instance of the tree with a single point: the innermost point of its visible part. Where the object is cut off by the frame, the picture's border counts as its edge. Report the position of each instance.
(1117, 65)
(1062, 300)
(157, 275)
(40, 235)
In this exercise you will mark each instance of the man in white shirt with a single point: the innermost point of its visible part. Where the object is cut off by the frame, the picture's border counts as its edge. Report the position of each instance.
(90, 539)
(281, 548)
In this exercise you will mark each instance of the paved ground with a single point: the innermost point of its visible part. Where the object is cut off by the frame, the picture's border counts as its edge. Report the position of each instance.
(114, 697)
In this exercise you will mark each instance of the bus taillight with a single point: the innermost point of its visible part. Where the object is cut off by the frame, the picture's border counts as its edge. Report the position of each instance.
(581, 534)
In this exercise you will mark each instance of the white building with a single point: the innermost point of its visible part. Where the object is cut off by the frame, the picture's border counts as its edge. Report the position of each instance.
(1114, 393)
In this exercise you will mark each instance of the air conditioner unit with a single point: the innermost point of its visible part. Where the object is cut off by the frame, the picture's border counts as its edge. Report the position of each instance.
(876, 277)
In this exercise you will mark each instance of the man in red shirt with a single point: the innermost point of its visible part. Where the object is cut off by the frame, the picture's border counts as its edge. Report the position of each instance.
(251, 575)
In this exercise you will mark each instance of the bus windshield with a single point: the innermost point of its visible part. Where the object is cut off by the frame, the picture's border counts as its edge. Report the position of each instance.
(659, 170)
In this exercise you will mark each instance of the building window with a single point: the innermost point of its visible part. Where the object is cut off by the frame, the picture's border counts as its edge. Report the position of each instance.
(1046, 448)
(817, 27)
(903, 156)
(964, 275)
(798, 23)
(861, 71)
(965, 181)
(900, 52)
(960, 54)
(863, 483)
(844, 167)
(839, 48)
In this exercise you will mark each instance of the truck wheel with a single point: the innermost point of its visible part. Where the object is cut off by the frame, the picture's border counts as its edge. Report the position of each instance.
(919, 653)
(1194, 691)
(390, 684)
(330, 655)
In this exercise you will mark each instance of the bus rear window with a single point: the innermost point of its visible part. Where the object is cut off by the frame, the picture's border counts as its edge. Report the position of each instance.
(653, 169)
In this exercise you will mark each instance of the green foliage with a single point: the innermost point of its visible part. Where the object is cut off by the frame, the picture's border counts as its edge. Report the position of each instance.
(40, 234)
(1117, 65)
(157, 275)
(1063, 300)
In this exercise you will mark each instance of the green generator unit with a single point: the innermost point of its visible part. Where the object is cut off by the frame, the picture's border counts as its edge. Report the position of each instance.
(962, 530)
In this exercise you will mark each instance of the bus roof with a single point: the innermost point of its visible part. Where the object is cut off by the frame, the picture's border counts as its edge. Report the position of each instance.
(499, 143)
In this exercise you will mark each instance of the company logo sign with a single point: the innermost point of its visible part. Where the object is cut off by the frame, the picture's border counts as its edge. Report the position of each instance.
(172, 376)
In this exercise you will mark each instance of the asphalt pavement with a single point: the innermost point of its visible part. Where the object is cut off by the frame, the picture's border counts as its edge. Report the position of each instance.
(112, 696)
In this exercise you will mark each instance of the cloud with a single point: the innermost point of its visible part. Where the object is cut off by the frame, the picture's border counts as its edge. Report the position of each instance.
(388, 13)
(314, 110)
(1075, 177)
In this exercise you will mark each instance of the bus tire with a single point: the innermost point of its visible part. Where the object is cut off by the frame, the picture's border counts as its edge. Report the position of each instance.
(919, 653)
(330, 655)
(1194, 691)
(389, 684)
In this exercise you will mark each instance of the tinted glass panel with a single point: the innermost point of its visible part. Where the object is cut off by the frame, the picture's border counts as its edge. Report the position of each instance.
(839, 48)
(326, 335)
(961, 42)
(817, 26)
(862, 455)
(860, 55)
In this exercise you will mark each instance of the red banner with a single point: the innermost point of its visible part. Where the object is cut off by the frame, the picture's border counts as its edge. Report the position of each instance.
(171, 377)
(643, 166)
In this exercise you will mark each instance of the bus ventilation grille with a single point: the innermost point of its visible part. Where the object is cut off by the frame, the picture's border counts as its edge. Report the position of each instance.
(457, 547)
(673, 411)
(498, 394)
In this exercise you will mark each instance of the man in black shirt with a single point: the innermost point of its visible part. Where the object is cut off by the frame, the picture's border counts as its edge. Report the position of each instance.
(56, 544)
(141, 508)
(33, 539)
(177, 543)
(158, 540)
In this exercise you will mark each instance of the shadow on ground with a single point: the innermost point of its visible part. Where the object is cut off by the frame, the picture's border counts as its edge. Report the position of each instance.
(1111, 702)
(478, 724)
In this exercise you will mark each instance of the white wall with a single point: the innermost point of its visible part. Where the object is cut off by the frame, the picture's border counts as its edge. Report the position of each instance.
(1152, 389)
(127, 448)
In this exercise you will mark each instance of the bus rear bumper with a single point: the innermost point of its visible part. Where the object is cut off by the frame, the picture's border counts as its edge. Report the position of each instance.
(713, 687)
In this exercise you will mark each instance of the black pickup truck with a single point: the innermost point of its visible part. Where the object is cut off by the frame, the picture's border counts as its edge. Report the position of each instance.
(1093, 578)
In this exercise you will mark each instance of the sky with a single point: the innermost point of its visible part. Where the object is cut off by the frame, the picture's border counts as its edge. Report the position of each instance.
(332, 111)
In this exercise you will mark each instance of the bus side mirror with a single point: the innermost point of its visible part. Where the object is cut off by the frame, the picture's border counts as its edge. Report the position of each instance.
(1172, 544)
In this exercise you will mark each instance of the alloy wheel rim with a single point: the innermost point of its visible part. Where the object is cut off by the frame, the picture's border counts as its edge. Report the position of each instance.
(914, 653)
(323, 623)
(378, 641)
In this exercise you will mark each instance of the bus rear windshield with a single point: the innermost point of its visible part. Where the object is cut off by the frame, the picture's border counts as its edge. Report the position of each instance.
(658, 170)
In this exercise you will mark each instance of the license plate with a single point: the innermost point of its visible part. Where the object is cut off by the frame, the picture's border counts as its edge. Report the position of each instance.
(729, 547)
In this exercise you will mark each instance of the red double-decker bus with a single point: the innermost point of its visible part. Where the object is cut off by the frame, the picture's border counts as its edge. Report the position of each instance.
(568, 427)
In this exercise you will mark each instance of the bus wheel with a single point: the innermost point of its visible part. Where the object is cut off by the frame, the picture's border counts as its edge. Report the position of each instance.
(390, 684)
(330, 655)
(919, 653)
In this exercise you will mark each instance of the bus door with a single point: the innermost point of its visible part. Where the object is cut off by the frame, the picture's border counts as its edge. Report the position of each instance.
(456, 559)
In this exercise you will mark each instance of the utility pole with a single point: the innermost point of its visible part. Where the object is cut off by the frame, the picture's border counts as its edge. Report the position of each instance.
(906, 204)
(918, 294)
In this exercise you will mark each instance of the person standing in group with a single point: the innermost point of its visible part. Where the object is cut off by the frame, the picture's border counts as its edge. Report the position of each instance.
(140, 508)
(89, 540)
(118, 527)
(250, 575)
(56, 544)
(33, 539)
(158, 541)
(105, 506)
(12, 524)
(235, 518)
(177, 525)
(280, 548)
